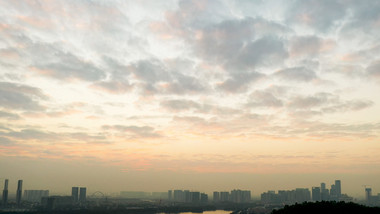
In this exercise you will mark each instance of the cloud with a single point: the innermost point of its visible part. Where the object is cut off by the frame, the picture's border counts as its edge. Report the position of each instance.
(113, 86)
(305, 46)
(264, 98)
(364, 19)
(9, 116)
(373, 70)
(31, 134)
(21, 97)
(321, 15)
(180, 105)
(239, 82)
(326, 103)
(297, 74)
(134, 131)
(66, 66)
(5, 141)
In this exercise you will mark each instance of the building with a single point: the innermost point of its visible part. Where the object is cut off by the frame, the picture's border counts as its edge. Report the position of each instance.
(224, 196)
(5, 192)
(204, 198)
(178, 196)
(368, 195)
(316, 193)
(195, 197)
(325, 193)
(240, 196)
(216, 196)
(187, 196)
(75, 194)
(35, 195)
(82, 194)
(19, 192)
(302, 194)
(338, 189)
(57, 202)
(170, 195)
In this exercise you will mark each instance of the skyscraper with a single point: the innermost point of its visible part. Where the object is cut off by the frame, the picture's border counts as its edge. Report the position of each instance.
(368, 195)
(216, 196)
(5, 192)
(325, 194)
(82, 194)
(316, 193)
(19, 192)
(338, 189)
(170, 195)
(74, 194)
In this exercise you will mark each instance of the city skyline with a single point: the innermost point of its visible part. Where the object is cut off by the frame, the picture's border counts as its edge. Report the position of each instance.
(79, 193)
(193, 94)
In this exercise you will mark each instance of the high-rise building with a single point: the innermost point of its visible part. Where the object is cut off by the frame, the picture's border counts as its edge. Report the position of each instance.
(35, 195)
(224, 196)
(170, 195)
(216, 196)
(82, 194)
(368, 195)
(19, 192)
(187, 196)
(178, 195)
(325, 194)
(316, 193)
(204, 198)
(338, 189)
(195, 197)
(74, 194)
(5, 192)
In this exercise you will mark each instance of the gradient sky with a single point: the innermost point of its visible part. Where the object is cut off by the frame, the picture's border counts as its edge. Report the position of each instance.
(197, 94)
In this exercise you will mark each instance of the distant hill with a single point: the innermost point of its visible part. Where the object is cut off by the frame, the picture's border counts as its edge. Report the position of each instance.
(327, 207)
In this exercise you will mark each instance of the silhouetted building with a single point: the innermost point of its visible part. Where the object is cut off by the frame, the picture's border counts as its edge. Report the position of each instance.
(302, 194)
(82, 194)
(204, 198)
(286, 196)
(35, 195)
(5, 192)
(368, 195)
(224, 196)
(195, 197)
(270, 197)
(159, 195)
(338, 189)
(216, 196)
(170, 195)
(240, 196)
(178, 196)
(75, 194)
(187, 196)
(57, 202)
(325, 194)
(19, 192)
(316, 193)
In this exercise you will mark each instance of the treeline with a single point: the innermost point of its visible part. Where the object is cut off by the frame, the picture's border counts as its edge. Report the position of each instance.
(327, 207)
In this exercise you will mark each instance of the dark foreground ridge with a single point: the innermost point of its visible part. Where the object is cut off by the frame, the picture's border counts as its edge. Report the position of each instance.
(327, 207)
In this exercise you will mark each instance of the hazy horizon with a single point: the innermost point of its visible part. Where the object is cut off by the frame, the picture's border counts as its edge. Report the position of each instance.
(190, 94)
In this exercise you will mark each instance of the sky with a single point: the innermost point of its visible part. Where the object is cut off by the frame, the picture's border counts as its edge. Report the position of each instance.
(190, 94)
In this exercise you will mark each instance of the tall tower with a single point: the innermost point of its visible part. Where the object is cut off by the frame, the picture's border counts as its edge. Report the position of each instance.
(74, 194)
(338, 189)
(368, 195)
(82, 194)
(19, 192)
(5, 192)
